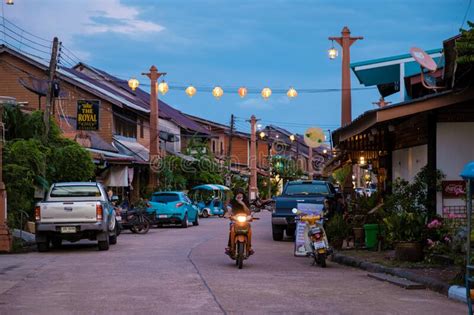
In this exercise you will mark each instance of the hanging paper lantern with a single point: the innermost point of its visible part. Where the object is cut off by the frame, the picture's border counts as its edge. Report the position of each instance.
(163, 87)
(266, 93)
(242, 92)
(133, 84)
(292, 93)
(314, 137)
(217, 92)
(190, 90)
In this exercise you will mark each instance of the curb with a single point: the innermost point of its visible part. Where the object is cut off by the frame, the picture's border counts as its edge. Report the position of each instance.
(430, 283)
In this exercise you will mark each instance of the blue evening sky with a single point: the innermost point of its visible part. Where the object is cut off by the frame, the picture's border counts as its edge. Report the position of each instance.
(274, 43)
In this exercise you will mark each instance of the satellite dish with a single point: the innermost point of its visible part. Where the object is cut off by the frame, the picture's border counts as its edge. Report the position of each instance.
(314, 137)
(426, 62)
(423, 58)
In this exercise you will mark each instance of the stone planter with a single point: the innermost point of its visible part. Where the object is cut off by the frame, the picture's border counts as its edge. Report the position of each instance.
(409, 251)
(337, 244)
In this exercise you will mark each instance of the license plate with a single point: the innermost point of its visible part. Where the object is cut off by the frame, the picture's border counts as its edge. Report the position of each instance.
(318, 245)
(68, 229)
(118, 217)
(162, 216)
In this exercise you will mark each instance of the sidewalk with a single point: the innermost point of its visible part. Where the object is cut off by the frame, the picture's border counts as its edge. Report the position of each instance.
(434, 277)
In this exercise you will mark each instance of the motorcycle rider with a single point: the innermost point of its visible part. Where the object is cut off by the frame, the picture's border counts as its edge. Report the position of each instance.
(238, 205)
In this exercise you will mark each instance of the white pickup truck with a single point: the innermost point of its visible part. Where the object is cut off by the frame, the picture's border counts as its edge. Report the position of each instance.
(74, 211)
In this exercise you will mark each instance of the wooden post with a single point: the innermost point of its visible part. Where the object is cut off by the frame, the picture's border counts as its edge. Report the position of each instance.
(154, 126)
(5, 237)
(49, 93)
(253, 158)
(346, 41)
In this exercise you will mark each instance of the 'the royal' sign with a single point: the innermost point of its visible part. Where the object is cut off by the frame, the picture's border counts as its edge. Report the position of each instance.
(88, 115)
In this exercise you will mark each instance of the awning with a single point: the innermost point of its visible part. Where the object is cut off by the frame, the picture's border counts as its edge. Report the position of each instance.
(183, 156)
(386, 73)
(118, 176)
(131, 148)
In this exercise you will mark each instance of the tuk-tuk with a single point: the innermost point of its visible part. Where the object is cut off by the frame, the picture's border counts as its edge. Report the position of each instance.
(211, 199)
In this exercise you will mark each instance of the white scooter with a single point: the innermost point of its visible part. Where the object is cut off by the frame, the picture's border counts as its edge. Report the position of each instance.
(316, 243)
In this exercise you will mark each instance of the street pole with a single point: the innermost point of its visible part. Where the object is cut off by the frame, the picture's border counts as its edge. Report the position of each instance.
(154, 155)
(330, 139)
(346, 41)
(49, 93)
(269, 166)
(229, 149)
(5, 236)
(253, 158)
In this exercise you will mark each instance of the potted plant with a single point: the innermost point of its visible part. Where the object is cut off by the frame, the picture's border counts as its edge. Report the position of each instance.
(337, 230)
(408, 205)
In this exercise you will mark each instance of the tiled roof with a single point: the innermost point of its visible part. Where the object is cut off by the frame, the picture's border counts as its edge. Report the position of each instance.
(141, 98)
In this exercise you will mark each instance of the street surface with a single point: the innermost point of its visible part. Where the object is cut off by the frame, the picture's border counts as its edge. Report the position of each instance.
(173, 271)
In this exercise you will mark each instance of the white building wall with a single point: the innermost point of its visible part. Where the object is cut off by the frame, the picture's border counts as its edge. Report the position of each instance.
(406, 163)
(171, 127)
(454, 148)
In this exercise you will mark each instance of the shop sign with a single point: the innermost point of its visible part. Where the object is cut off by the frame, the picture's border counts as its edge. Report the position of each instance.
(88, 114)
(453, 189)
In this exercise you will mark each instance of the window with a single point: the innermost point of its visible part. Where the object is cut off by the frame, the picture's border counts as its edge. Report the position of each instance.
(165, 198)
(222, 148)
(125, 126)
(307, 189)
(75, 191)
(213, 146)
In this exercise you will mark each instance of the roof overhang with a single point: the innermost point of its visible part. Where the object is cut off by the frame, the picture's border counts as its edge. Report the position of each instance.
(404, 109)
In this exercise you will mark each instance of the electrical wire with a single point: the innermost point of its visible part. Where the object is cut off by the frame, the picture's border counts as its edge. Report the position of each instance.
(465, 14)
(25, 31)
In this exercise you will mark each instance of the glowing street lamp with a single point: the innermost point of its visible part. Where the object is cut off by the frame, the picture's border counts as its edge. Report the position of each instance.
(262, 135)
(292, 93)
(292, 138)
(133, 84)
(163, 87)
(217, 92)
(332, 52)
(242, 92)
(266, 93)
(10, 2)
(190, 91)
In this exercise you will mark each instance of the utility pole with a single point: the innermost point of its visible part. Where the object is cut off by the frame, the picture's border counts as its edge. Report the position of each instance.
(154, 154)
(231, 135)
(310, 162)
(346, 41)
(253, 158)
(53, 63)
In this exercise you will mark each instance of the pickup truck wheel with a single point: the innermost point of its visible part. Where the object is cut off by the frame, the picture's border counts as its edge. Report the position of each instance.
(104, 245)
(277, 233)
(42, 247)
(113, 238)
(56, 242)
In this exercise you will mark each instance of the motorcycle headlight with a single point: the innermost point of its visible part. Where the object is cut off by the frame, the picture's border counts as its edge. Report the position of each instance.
(241, 219)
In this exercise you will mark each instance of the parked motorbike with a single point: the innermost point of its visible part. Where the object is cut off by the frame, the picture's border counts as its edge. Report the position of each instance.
(316, 242)
(241, 248)
(258, 205)
(136, 220)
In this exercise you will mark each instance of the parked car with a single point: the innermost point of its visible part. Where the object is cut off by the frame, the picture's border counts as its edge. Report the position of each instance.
(173, 207)
(74, 211)
(294, 194)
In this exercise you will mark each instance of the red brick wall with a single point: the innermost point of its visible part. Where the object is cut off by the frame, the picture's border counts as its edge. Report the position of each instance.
(9, 86)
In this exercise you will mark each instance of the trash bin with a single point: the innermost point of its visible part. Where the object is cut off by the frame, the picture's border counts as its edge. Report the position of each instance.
(371, 235)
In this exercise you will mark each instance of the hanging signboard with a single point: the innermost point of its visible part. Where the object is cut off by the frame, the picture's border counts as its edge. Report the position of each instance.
(88, 114)
(454, 189)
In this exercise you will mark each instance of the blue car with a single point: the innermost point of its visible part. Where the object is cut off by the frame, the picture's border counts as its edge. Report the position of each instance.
(173, 207)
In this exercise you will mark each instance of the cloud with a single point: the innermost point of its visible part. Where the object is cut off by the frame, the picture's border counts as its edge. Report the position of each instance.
(261, 104)
(70, 19)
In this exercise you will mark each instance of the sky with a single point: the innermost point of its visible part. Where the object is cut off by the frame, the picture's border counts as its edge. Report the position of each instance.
(257, 44)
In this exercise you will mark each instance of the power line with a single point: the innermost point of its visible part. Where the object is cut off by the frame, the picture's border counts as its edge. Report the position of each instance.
(465, 14)
(25, 31)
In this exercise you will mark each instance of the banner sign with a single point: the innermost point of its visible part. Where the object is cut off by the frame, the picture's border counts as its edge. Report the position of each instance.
(454, 189)
(88, 114)
(301, 233)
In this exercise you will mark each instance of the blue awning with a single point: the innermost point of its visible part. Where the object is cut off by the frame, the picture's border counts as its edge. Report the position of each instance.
(387, 70)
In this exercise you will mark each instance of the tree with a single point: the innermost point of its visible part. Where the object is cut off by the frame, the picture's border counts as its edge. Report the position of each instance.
(285, 168)
(465, 46)
(71, 163)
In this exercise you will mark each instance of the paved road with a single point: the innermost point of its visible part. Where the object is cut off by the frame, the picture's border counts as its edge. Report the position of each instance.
(171, 270)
